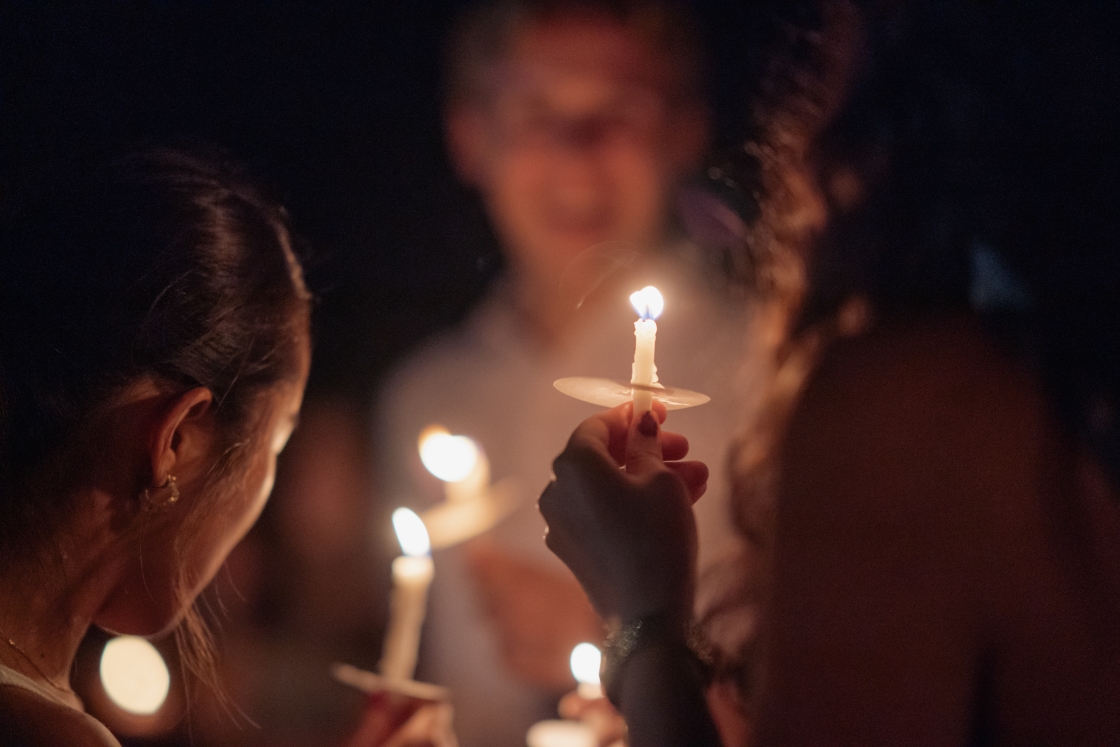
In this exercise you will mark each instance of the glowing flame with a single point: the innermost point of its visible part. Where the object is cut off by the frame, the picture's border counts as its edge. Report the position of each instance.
(411, 533)
(450, 458)
(648, 302)
(134, 675)
(586, 661)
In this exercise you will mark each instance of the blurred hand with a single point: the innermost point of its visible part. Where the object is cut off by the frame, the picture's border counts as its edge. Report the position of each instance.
(598, 713)
(393, 720)
(619, 514)
(539, 615)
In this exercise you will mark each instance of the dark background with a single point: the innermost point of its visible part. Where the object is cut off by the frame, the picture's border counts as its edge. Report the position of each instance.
(333, 106)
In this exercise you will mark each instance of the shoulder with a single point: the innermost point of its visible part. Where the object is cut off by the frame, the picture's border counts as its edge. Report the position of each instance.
(927, 407)
(938, 373)
(28, 720)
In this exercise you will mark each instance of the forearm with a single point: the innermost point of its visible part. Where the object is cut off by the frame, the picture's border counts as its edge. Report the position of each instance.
(661, 696)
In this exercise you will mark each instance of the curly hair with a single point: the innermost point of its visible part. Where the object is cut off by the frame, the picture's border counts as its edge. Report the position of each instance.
(930, 130)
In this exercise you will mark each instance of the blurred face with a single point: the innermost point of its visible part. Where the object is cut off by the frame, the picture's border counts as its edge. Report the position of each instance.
(577, 144)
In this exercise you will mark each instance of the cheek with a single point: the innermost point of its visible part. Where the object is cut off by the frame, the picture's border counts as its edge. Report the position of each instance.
(640, 180)
(258, 487)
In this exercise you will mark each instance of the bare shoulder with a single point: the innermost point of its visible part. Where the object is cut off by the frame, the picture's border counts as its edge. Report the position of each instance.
(27, 720)
(928, 404)
(939, 372)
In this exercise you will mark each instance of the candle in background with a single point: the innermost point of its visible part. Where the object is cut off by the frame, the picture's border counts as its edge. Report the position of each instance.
(557, 733)
(649, 304)
(134, 675)
(457, 460)
(586, 660)
(412, 575)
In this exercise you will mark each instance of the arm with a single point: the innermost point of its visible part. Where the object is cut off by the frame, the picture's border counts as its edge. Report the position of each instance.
(630, 538)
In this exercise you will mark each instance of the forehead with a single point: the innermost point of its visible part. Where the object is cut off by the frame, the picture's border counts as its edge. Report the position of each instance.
(579, 58)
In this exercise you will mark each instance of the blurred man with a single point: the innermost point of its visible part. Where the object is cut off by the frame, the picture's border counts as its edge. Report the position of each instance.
(576, 122)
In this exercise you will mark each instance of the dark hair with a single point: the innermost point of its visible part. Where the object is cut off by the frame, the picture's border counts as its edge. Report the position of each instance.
(483, 37)
(162, 264)
(940, 133)
(952, 141)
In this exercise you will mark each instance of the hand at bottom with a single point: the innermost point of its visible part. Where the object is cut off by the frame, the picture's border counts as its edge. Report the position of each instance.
(619, 514)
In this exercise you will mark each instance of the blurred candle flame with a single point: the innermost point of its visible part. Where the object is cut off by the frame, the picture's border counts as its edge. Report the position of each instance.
(450, 458)
(411, 533)
(586, 660)
(648, 302)
(134, 675)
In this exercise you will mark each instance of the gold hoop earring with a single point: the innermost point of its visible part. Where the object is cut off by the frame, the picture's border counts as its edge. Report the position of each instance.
(161, 498)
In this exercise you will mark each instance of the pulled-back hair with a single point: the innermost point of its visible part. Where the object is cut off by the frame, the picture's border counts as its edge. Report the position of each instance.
(484, 35)
(160, 264)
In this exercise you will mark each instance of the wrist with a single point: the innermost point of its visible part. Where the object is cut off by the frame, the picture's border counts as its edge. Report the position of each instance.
(669, 631)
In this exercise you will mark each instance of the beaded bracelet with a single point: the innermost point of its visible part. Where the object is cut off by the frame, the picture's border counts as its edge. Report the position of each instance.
(627, 639)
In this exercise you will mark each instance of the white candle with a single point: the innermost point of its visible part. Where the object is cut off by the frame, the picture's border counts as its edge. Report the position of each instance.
(557, 733)
(586, 659)
(649, 304)
(412, 575)
(457, 460)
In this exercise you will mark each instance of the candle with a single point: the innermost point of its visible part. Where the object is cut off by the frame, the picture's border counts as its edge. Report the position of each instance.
(649, 304)
(457, 460)
(586, 660)
(412, 575)
(557, 733)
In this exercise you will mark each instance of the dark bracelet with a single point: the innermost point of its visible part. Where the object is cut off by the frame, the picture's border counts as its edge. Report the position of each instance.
(627, 639)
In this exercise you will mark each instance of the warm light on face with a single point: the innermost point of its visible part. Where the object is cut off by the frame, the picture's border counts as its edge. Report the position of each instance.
(586, 661)
(411, 533)
(648, 302)
(450, 458)
(134, 675)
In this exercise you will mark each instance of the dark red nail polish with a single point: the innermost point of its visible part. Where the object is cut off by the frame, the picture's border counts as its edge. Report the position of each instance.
(647, 426)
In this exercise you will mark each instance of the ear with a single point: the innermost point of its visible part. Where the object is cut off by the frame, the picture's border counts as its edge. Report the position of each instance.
(183, 437)
(465, 131)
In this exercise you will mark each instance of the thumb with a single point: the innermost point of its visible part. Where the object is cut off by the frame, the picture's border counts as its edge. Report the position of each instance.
(643, 444)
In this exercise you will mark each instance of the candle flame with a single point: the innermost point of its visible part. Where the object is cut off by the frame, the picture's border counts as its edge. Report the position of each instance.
(648, 302)
(586, 660)
(411, 533)
(450, 458)
(134, 675)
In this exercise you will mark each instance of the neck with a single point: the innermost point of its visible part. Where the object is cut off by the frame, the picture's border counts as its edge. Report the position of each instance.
(47, 605)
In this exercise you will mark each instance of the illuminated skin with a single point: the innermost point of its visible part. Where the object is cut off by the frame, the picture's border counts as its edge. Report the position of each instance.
(577, 145)
(118, 563)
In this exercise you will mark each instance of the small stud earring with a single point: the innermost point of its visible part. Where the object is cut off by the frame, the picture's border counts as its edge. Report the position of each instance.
(163, 497)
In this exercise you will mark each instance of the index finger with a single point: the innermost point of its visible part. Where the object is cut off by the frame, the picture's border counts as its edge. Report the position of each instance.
(605, 432)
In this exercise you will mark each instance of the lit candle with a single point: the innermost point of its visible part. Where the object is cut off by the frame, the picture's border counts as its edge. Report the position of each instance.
(649, 304)
(457, 460)
(557, 733)
(586, 660)
(412, 575)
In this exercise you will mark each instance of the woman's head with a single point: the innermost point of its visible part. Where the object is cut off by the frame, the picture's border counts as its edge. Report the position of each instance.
(154, 324)
(933, 135)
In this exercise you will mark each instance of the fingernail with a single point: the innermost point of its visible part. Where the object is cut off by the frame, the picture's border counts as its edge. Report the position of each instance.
(647, 426)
